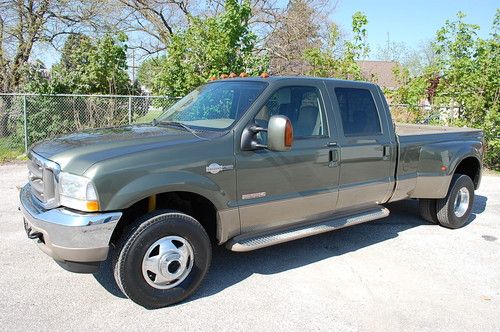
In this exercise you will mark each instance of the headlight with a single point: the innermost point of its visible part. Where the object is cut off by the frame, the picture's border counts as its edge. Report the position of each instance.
(77, 192)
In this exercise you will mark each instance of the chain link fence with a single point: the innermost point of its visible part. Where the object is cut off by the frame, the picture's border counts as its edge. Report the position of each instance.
(424, 114)
(28, 118)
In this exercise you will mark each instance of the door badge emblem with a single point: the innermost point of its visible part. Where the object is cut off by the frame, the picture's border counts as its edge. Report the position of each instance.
(215, 168)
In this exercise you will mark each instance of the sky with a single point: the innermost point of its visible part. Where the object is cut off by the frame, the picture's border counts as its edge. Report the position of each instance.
(412, 22)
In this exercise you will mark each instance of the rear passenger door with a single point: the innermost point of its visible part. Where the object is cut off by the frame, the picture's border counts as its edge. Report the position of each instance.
(367, 145)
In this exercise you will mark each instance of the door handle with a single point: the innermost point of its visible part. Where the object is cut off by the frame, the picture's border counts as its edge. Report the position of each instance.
(386, 152)
(334, 158)
(331, 144)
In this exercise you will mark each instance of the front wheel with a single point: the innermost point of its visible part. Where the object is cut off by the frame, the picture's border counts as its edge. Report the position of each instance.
(162, 259)
(454, 210)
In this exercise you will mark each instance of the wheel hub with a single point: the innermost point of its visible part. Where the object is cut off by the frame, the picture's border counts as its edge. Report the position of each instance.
(170, 264)
(167, 262)
(461, 202)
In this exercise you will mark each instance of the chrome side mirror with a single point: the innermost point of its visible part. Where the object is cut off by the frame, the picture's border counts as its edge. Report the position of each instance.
(279, 133)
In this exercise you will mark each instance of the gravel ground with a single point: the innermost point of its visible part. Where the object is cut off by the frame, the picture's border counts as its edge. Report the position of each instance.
(392, 274)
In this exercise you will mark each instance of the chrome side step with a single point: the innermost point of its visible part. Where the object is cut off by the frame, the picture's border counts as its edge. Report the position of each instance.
(247, 243)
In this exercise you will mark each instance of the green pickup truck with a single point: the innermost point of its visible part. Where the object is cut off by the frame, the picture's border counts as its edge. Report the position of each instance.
(244, 162)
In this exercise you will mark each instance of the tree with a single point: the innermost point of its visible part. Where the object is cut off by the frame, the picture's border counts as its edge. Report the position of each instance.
(147, 71)
(469, 67)
(87, 66)
(297, 29)
(209, 47)
(463, 73)
(154, 22)
(415, 60)
(157, 21)
(329, 62)
(26, 24)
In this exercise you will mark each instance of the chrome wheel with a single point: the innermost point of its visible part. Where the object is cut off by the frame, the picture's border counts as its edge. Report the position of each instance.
(461, 202)
(167, 262)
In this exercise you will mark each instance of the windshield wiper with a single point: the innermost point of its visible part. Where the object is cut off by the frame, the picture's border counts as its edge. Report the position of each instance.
(177, 124)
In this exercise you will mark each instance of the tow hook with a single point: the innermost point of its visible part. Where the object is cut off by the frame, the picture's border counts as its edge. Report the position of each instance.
(31, 234)
(35, 235)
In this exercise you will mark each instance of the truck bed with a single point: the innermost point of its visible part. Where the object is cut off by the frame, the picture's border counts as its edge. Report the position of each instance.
(425, 133)
(423, 152)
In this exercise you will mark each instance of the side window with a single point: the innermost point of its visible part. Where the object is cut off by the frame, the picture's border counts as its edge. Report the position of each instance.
(358, 111)
(302, 105)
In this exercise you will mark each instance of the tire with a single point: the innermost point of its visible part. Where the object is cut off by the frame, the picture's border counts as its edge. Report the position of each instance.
(427, 210)
(186, 251)
(448, 214)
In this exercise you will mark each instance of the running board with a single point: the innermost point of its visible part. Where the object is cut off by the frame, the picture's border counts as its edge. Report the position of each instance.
(248, 243)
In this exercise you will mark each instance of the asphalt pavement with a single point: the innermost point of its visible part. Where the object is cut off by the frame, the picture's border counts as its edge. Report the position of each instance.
(398, 273)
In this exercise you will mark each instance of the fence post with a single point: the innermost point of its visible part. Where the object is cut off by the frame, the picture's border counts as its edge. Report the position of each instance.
(25, 125)
(129, 110)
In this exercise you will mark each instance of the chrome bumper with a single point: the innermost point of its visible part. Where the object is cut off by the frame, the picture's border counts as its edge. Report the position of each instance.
(65, 235)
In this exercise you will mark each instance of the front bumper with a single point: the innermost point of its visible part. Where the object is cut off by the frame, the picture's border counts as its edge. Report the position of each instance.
(78, 241)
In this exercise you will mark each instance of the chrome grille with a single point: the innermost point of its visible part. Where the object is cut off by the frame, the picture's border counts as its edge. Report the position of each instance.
(43, 175)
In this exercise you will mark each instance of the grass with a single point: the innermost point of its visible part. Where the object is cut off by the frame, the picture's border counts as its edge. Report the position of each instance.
(148, 117)
(489, 171)
(10, 150)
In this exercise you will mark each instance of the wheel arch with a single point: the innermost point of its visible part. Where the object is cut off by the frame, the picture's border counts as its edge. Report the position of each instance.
(471, 166)
(188, 193)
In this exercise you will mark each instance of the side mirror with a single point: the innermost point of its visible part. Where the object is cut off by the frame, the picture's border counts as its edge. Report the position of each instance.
(279, 133)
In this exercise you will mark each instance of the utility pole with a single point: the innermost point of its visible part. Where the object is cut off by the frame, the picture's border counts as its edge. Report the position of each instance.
(389, 47)
(133, 65)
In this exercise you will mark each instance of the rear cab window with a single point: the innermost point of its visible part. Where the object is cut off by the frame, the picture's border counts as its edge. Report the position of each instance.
(358, 112)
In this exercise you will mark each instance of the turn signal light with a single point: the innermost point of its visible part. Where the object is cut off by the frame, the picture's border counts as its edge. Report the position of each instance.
(288, 134)
(92, 206)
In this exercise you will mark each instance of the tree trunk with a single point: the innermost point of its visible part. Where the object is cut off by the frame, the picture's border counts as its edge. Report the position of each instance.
(5, 105)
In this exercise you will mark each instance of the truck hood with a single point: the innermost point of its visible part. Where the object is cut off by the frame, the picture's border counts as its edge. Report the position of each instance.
(77, 152)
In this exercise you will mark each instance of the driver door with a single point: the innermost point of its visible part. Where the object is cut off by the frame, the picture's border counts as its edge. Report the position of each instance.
(284, 188)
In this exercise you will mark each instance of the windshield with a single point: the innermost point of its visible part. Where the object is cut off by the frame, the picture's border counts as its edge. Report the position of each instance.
(216, 105)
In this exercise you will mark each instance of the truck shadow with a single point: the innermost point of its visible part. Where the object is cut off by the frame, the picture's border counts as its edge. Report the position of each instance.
(229, 268)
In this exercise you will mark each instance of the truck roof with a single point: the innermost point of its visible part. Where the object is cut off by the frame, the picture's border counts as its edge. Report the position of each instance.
(284, 78)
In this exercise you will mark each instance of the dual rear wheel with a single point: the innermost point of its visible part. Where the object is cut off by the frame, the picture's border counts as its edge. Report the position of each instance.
(452, 211)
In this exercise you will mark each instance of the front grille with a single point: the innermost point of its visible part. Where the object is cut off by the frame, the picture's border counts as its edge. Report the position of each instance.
(43, 179)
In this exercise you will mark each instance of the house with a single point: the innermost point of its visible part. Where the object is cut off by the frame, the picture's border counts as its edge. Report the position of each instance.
(380, 72)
